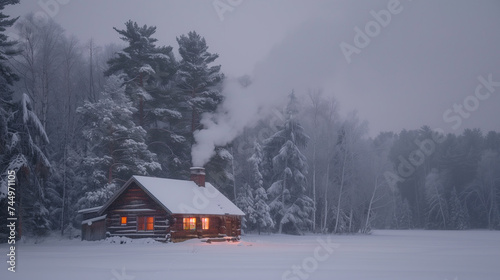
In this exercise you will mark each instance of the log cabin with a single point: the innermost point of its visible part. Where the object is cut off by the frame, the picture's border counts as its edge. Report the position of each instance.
(165, 210)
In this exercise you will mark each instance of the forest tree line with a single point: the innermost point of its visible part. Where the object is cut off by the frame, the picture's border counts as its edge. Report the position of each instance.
(78, 120)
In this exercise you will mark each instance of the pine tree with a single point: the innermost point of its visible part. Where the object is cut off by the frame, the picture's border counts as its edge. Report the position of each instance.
(7, 75)
(7, 78)
(437, 212)
(22, 140)
(261, 211)
(221, 171)
(150, 71)
(145, 64)
(64, 190)
(459, 218)
(402, 215)
(200, 85)
(117, 148)
(483, 194)
(245, 201)
(291, 206)
(24, 154)
(198, 82)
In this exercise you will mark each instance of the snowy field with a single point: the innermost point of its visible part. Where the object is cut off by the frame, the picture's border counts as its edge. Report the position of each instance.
(384, 255)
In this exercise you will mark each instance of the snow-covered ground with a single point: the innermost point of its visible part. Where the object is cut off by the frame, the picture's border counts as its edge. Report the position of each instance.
(385, 254)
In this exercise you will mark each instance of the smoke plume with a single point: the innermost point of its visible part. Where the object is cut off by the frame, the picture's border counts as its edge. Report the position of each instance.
(304, 59)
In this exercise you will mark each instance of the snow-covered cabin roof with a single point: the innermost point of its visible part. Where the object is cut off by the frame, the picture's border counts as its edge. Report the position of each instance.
(89, 210)
(90, 221)
(182, 196)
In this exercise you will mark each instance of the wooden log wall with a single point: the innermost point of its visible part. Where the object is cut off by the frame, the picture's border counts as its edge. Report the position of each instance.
(134, 203)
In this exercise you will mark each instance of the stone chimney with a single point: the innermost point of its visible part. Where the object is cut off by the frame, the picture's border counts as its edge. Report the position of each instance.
(198, 175)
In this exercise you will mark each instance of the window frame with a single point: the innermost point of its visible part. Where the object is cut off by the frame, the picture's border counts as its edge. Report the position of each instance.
(150, 223)
(144, 222)
(205, 223)
(189, 223)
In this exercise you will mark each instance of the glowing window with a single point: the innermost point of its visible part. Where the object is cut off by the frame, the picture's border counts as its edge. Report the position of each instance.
(150, 224)
(124, 220)
(145, 223)
(204, 223)
(189, 223)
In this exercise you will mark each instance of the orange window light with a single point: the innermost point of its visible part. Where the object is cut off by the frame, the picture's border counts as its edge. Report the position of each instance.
(192, 223)
(124, 221)
(150, 224)
(189, 223)
(204, 223)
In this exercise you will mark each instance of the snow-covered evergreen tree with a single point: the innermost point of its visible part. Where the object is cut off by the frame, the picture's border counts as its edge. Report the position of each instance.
(22, 141)
(199, 84)
(197, 80)
(221, 171)
(483, 193)
(261, 216)
(24, 154)
(290, 205)
(437, 212)
(7, 78)
(116, 145)
(63, 189)
(459, 217)
(245, 201)
(150, 71)
(145, 64)
(402, 215)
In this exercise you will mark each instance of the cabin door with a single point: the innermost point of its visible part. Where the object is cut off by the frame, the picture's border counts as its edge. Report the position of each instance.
(228, 227)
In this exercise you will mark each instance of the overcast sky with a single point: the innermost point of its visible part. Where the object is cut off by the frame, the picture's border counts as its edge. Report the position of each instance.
(427, 58)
